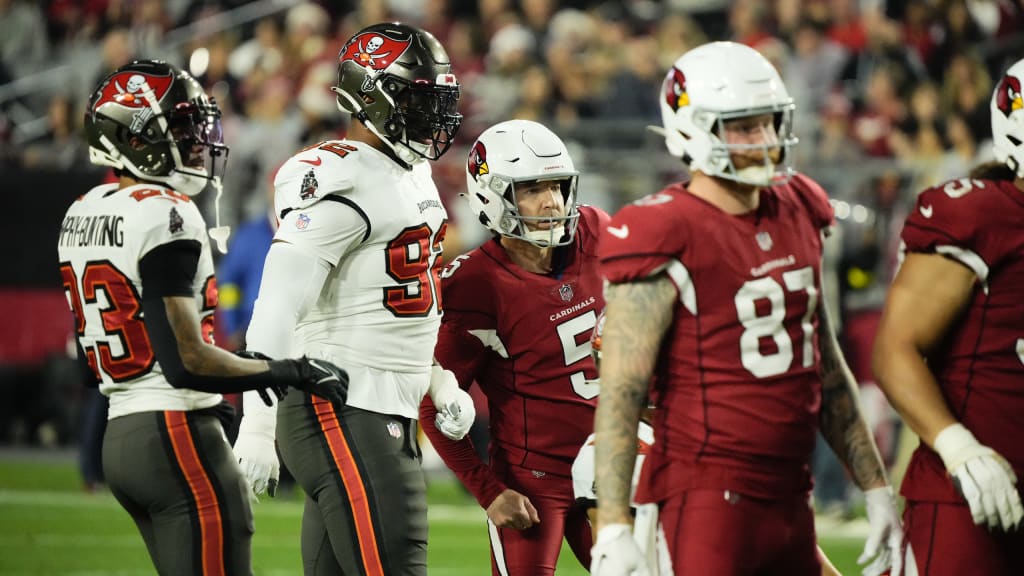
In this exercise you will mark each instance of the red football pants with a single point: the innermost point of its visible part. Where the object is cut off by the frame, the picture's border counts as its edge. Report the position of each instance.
(727, 534)
(534, 551)
(946, 542)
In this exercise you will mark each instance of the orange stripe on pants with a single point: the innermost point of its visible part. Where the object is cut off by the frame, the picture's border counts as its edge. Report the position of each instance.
(358, 500)
(210, 526)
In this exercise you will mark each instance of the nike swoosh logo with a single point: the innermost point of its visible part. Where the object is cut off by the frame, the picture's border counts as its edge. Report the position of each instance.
(620, 233)
(313, 162)
(329, 375)
(926, 211)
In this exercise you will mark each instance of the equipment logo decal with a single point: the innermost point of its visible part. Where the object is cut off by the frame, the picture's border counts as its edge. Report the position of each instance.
(125, 88)
(309, 185)
(394, 429)
(565, 292)
(1008, 97)
(675, 89)
(176, 221)
(478, 161)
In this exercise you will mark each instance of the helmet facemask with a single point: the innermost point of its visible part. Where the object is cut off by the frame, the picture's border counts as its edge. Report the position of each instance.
(541, 231)
(425, 118)
(776, 167)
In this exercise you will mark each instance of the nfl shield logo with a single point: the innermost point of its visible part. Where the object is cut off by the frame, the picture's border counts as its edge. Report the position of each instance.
(394, 430)
(302, 222)
(565, 292)
(764, 240)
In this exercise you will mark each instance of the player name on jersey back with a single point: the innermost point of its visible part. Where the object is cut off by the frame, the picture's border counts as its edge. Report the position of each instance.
(92, 230)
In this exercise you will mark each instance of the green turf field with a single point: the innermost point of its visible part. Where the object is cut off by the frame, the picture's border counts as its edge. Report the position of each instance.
(48, 526)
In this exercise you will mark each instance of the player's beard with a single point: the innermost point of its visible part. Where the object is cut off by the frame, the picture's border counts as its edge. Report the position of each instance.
(757, 166)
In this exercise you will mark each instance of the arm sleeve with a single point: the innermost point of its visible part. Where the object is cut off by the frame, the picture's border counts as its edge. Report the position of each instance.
(167, 271)
(291, 283)
(460, 355)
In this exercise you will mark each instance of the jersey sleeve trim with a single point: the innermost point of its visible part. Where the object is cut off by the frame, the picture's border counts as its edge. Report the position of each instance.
(637, 255)
(968, 258)
(680, 276)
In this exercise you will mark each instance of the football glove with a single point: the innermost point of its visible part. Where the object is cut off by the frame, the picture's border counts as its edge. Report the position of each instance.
(983, 477)
(616, 553)
(885, 536)
(315, 376)
(455, 409)
(255, 449)
(279, 389)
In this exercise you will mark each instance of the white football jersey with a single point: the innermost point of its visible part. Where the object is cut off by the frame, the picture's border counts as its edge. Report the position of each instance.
(104, 235)
(379, 311)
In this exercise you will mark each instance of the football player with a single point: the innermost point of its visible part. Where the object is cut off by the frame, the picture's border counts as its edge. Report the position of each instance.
(352, 277)
(645, 521)
(950, 358)
(519, 311)
(714, 289)
(138, 274)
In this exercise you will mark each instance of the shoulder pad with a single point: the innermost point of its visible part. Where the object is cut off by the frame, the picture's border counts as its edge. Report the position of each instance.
(326, 168)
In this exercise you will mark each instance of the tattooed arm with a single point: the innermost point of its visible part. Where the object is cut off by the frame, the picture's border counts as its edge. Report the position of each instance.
(637, 316)
(842, 423)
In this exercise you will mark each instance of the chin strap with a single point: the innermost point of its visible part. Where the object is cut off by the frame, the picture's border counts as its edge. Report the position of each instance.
(219, 233)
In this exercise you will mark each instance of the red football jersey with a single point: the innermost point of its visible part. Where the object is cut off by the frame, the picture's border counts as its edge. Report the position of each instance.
(736, 385)
(980, 365)
(525, 339)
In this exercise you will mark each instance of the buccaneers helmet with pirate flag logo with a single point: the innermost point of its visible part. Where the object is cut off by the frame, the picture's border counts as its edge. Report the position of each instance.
(154, 121)
(1007, 112)
(397, 80)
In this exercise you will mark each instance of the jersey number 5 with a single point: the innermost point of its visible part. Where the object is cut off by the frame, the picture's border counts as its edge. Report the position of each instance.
(575, 350)
(413, 259)
(772, 323)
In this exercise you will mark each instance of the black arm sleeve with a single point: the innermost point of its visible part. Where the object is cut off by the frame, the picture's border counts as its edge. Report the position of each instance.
(85, 372)
(169, 270)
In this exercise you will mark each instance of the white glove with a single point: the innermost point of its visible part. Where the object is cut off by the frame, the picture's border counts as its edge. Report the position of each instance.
(885, 536)
(983, 477)
(455, 409)
(616, 553)
(254, 448)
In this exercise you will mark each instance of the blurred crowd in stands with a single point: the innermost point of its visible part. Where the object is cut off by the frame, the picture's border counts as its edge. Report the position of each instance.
(891, 96)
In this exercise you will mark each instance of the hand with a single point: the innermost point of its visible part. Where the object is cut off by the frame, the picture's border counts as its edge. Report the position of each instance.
(455, 409)
(278, 390)
(616, 553)
(257, 457)
(983, 478)
(323, 379)
(512, 510)
(885, 537)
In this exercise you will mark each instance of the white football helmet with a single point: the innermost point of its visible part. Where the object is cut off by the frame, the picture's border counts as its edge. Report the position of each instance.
(1007, 111)
(715, 83)
(514, 152)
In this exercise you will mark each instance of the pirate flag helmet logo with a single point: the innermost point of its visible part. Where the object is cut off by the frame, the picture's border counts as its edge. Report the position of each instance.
(129, 89)
(1008, 96)
(374, 50)
(675, 89)
(478, 161)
